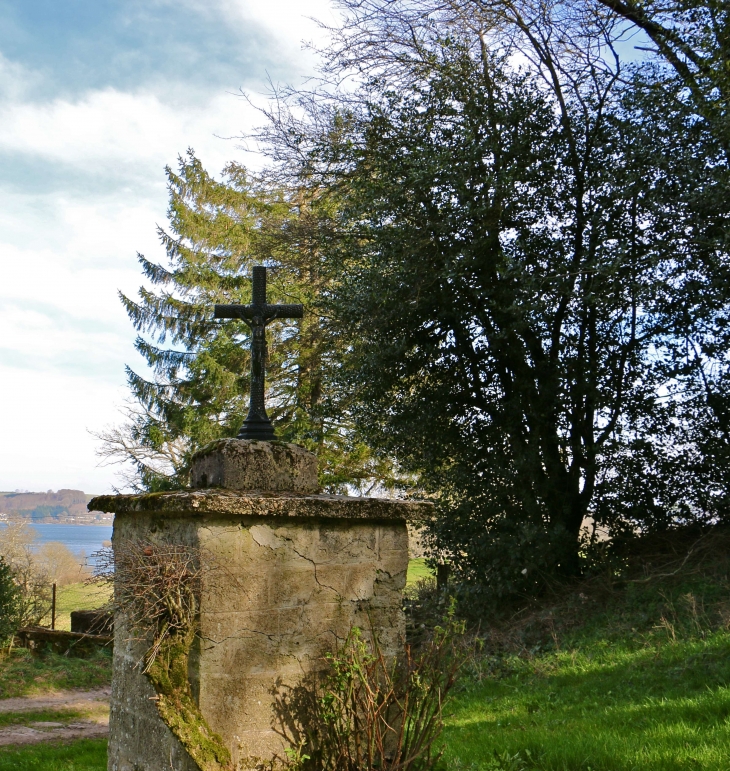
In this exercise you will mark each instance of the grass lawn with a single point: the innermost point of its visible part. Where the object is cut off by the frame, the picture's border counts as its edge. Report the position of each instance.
(23, 673)
(417, 570)
(79, 596)
(85, 755)
(657, 705)
(627, 674)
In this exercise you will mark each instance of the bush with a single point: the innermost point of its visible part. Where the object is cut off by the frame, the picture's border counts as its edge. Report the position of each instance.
(10, 603)
(366, 712)
(34, 585)
(61, 565)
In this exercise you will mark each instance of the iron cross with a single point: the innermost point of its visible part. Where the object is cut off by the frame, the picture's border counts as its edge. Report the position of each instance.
(257, 315)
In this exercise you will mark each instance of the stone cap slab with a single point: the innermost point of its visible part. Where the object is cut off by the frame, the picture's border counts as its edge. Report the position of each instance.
(216, 502)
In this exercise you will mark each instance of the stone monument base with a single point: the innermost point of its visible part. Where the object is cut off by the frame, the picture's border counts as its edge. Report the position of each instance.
(287, 577)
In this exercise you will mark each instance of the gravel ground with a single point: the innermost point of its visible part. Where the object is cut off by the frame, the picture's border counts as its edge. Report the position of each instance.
(94, 705)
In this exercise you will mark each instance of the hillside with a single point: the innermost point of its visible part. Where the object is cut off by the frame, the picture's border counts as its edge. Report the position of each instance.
(627, 670)
(63, 506)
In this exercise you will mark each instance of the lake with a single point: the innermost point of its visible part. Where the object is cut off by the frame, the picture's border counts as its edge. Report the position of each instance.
(78, 538)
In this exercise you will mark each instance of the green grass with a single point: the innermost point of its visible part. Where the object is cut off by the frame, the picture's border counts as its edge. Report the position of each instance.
(23, 673)
(79, 596)
(653, 705)
(84, 755)
(629, 676)
(417, 570)
(634, 677)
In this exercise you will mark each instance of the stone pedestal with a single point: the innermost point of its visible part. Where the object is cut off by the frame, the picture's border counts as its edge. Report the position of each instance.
(292, 573)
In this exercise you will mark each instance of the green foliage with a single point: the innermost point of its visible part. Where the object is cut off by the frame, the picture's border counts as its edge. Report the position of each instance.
(10, 603)
(532, 283)
(85, 755)
(693, 37)
(515, 276)
(218, 229)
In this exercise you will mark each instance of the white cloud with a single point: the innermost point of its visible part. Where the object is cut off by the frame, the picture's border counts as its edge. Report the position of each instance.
(120, 135)
(82, 188)
(15, 79)
(289, 21)
(45, 443)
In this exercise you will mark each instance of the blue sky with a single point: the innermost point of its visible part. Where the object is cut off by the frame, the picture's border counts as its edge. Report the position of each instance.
(96, 97)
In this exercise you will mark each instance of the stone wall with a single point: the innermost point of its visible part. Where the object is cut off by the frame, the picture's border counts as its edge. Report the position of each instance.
(287, 577)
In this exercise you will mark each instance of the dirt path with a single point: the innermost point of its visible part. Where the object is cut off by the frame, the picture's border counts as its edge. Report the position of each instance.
(93, 705)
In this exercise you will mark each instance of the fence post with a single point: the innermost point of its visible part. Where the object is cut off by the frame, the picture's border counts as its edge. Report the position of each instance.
(53, 608)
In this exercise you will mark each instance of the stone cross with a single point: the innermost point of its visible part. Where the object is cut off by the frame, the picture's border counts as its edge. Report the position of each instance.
(257, 315)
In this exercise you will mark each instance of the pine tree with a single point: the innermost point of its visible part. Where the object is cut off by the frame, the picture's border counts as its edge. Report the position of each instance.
(199, 383)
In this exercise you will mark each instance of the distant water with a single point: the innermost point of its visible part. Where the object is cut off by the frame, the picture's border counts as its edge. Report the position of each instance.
(78, 538)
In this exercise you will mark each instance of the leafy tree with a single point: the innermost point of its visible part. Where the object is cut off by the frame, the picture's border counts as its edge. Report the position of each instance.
(693, 36)
(566, 39)
(516, 278)
(199, 390)
(514, 265)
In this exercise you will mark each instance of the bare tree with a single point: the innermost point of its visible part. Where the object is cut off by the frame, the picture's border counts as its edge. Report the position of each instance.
(16, 548)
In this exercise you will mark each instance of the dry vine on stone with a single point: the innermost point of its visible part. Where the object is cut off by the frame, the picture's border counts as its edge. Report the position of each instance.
(157, 586)
(369, 712)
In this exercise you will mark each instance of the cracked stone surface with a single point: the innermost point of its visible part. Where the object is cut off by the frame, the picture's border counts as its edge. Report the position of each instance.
(287, 577)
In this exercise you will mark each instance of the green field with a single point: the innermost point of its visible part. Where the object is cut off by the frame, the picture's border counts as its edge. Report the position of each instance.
(631, 704)
(417, 570)
(23, 673)
(80, 596)
(625, 672)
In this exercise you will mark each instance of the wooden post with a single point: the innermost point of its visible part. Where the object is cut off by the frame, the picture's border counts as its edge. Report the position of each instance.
(53, 608)
(442, 576)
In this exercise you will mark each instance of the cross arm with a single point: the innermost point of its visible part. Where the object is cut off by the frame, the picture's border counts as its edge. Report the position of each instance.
(284, 312)
(267, 312)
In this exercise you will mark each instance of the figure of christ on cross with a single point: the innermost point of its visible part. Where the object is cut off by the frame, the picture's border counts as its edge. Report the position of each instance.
(257, 315)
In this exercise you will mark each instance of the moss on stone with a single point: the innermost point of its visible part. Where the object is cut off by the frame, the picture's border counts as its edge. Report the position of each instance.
(168, 673)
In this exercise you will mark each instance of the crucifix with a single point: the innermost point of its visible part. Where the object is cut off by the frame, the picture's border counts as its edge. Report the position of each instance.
(257, 315)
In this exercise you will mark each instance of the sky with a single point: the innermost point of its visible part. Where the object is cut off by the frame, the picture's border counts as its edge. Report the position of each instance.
(96, 98)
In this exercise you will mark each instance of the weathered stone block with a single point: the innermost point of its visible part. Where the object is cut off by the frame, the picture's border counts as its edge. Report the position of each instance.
(287, 577)
(246, 464)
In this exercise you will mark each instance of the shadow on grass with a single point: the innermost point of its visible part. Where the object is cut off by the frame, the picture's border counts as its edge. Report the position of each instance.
(661, 708)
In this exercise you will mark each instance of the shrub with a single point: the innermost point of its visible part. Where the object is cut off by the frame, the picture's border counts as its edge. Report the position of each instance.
(366, 712)
(61, 565)
(34, 585)
(10, 603)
